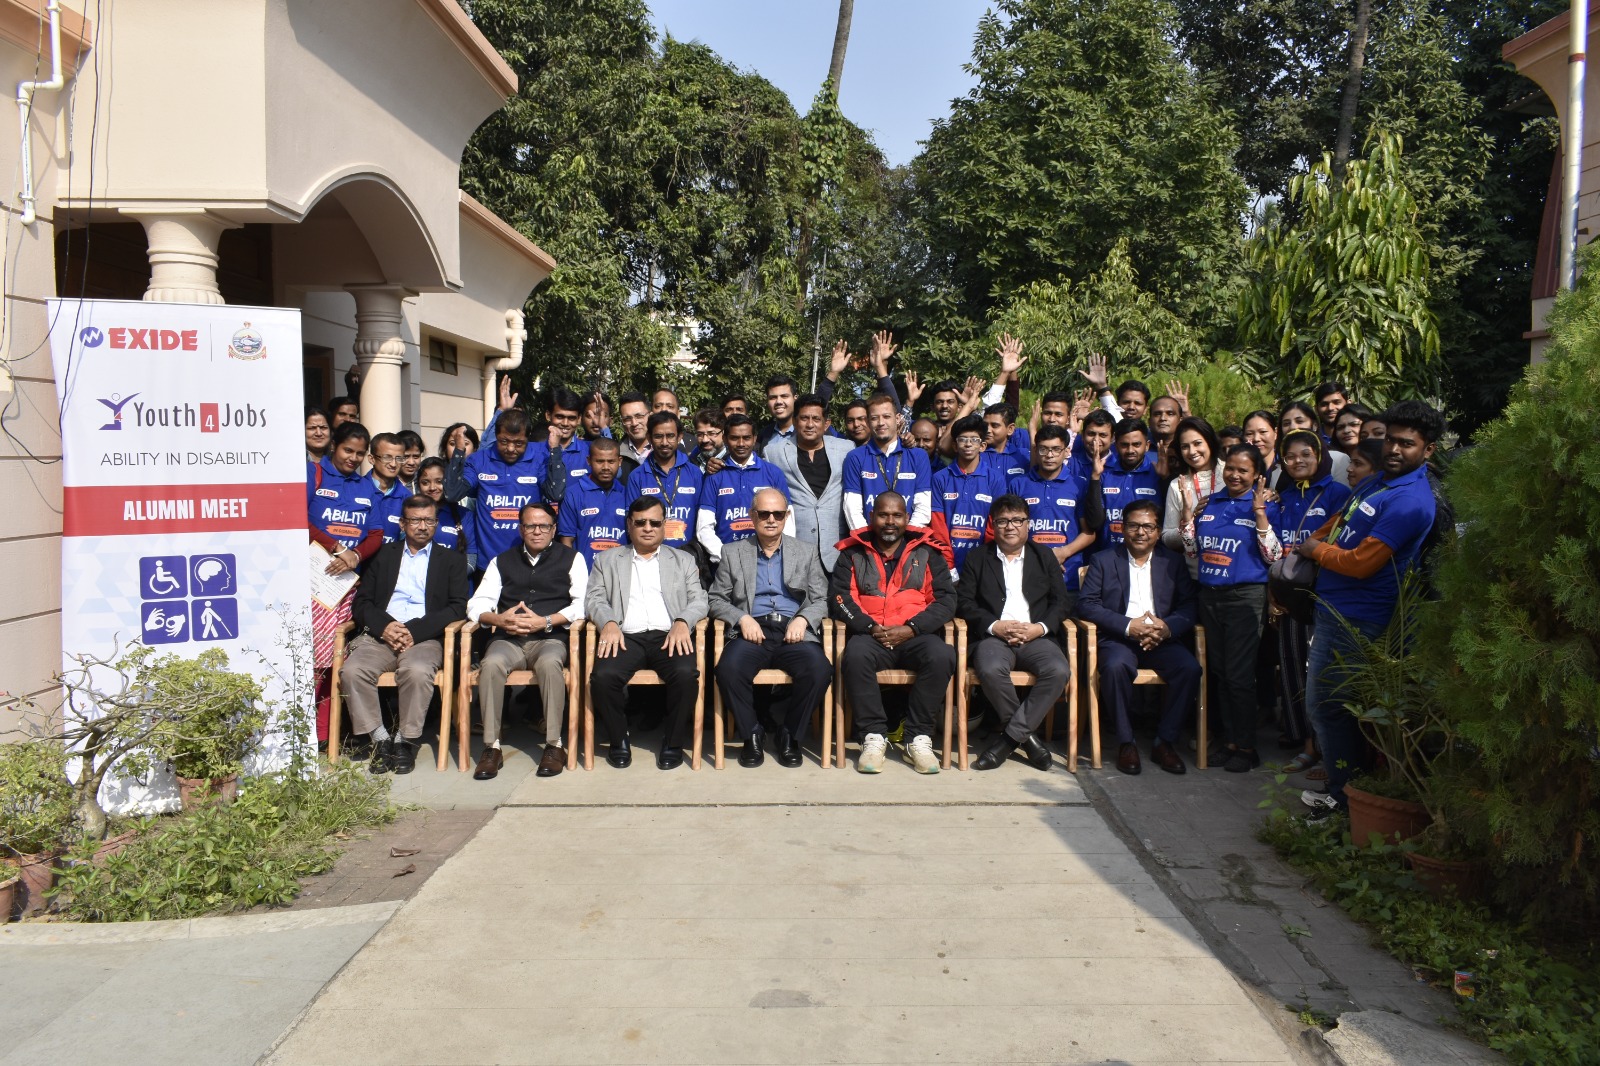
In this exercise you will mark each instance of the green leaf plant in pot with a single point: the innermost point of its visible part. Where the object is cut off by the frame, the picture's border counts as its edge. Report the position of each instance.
(36, 813)
(211, 718)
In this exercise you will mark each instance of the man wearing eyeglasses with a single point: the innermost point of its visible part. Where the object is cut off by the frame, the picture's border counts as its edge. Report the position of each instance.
(388, 452)
(530, 596)
(1014, 600)
(645, 600)
(771, 591)
(729, 494)
(409, 595)
(1064, 511)
(965, 490)
(1142, 599)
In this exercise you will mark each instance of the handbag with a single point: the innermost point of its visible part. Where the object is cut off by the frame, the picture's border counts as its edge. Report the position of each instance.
(1291, 581)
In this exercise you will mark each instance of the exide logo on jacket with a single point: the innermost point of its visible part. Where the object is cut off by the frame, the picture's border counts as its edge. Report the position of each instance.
(150, 340)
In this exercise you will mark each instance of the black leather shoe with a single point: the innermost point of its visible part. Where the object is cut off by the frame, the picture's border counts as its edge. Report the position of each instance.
(789, 750)
(358, 748)
(382, 756)
(1166, 756)
(996, 754)
(620, 754)
(1128, 758)
(1038, 755)
(752, 754)
(669, 759)
(402, 756)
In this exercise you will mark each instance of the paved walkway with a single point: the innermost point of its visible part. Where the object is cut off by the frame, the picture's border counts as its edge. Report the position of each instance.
(780, 916)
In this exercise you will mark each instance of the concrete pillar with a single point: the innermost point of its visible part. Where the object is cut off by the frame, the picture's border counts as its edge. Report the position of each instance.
(183, 255)
(380, 352)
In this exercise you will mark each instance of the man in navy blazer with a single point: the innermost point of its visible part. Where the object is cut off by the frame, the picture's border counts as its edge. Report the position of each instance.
(1142, 599)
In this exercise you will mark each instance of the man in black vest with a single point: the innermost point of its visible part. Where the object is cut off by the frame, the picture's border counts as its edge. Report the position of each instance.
(409, 595)
(1013, 598)
(530, 595)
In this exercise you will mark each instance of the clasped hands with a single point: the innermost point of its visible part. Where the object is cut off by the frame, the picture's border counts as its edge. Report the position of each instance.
(397, 636)
(891, 637)
(1149, 631)
(752, 631)
(519, 621)
(1017, 634)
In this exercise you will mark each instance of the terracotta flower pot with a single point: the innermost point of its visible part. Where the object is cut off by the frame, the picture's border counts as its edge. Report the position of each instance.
(37, 876)
(1460, 879)
(112, 846)
(8, 897)
(1393, 820)
(196, 792)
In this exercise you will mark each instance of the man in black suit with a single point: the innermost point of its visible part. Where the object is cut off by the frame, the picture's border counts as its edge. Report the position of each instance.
(1142, 598)
(1013, 598)
(409, 594)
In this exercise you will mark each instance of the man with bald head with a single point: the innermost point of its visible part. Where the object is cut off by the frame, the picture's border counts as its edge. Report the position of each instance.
(772, 594)
(892, 590)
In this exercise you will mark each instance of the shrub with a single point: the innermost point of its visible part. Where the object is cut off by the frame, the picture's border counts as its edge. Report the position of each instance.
(36, 799)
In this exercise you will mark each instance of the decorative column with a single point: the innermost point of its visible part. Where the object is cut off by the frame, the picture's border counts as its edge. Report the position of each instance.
(380, 352)
(183, 254)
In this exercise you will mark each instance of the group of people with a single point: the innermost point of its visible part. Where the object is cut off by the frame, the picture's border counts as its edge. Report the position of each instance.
(1124, 510)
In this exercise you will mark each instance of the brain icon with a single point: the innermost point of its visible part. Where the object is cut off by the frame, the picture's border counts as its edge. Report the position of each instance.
(207, 569)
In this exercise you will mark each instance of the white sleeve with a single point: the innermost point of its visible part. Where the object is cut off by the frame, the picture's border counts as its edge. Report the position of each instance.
(487, 598)
(788, 524)
(705, 531)
(578, 576)
(996, 394)
(1109, 402)
(921, 508)
(854, 516)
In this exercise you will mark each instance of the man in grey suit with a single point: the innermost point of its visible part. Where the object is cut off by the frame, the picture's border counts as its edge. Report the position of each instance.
(813, 464)
(772, 591)
(645, 598)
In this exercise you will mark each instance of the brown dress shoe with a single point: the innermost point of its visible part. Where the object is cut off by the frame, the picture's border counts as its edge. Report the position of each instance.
(1166, 756)
(489, 764)
(1128, 759)
(552, 762)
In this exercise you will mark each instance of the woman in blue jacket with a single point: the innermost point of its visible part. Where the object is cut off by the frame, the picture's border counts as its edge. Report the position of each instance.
(1234, 540)
(1308, 495)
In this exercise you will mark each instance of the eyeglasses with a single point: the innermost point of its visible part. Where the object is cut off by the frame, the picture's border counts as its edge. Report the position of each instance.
(969, 440)
(385, 459)
(1006, 523)
(1141, 527)
(648, 523)
(421, 521)
(547, 528)
(1046, 450)
(771, 516)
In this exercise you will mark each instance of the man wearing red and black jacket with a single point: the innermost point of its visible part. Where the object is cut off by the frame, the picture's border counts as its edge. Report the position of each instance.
(892, 590)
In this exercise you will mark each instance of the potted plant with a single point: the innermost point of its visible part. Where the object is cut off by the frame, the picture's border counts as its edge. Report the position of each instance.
(211, 717)
(10, 878)
(36, 813)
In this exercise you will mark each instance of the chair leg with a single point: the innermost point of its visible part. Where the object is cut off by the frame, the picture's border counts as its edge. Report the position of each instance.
(1072, 703)
(1094, 707)
(699, 727)
(446, 706)
(335, 705)
(588, 725)
(719, 726)
(574, 716)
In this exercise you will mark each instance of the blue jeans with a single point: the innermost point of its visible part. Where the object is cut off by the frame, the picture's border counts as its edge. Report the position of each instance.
(1344, 752)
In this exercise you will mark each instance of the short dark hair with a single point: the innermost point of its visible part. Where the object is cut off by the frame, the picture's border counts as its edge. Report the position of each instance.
(1230, 431)
(545, 507)
(1414, 414)
(1052, 433)
(735, 420)
(1141, 505)
(1301, 406)
(312, 410)
(1329, 388)
(1267, 416)
(1133, 385)
(1057, 396)
(877, 399)
(514, 421)
(778, 381)
(853, 403)
(604, 444)
(343, 401)
(1009, 502)
(1006, 411)
(947, 385)
(350, 429)
(564, 399)
(668, 389)
(1356, 409)
(386, 438)
(969, 424)
(410, 438)
(734, 397)
(661, 418)
(1164, 396)
(1098, 417)
(1127, 426)
(417, 502)
(632, 396)
(708, 416)
(885, 494)
(1372, 449)
(646, 503)
(1249, 451)
(809, 399)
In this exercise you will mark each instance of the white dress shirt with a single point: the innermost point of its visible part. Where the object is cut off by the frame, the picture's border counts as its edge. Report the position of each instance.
(1141, 598)
(487, 598)
(1016, 605)
(647, 607)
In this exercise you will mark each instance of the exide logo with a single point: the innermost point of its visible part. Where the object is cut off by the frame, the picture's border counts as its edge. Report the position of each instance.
(150, 340)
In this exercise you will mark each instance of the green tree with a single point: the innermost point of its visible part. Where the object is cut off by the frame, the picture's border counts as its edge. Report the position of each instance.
(1343, 291)
(1085, 128)
(1516, 637)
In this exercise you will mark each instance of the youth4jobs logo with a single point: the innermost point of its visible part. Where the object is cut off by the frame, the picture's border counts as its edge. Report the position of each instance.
(206, 417)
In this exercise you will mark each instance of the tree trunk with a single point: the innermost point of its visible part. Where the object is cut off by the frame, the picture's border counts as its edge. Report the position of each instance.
(1352, 88)
(841, 40)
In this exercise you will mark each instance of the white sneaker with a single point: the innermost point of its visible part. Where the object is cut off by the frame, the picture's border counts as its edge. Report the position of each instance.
(870, 761)
(1318, 801)
(919, 753)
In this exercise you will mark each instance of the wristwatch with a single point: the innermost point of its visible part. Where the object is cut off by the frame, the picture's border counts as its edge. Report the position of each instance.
(548, 625)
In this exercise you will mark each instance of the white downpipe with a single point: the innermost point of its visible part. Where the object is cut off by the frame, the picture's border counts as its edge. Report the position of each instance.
(1577, 43)
(515, 336)
(25, 91)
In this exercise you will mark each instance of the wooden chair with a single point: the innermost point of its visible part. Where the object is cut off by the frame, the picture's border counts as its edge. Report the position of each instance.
(1022, 679)
(442, 679)
(572, 674)
(722, 718)
(1143, 677)
(841, 703)
(644, 677)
